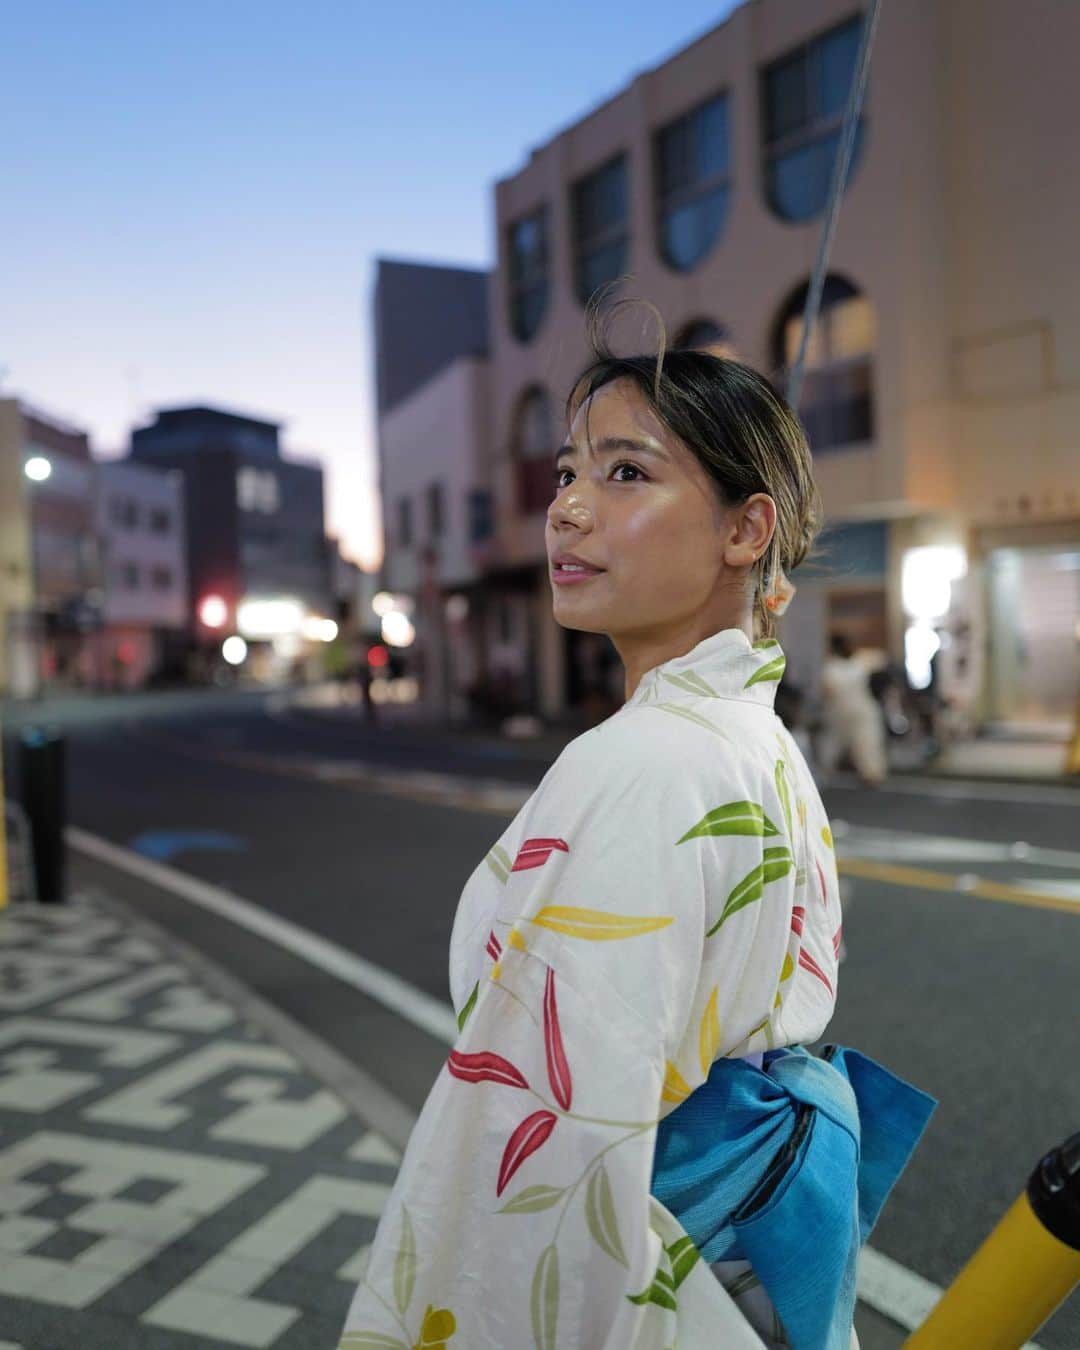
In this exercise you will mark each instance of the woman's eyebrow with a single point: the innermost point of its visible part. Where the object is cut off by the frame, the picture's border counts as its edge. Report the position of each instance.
(614, 445)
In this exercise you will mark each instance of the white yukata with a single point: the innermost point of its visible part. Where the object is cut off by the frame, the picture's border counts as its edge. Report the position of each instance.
(666, 896)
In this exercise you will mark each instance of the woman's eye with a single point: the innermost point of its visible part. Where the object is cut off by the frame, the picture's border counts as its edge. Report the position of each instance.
(625, 464)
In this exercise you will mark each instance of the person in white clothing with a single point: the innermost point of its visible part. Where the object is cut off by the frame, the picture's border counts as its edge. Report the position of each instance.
(666, 898)
(853, 721)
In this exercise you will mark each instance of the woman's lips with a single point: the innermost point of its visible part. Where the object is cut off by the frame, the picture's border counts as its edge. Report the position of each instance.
(563, 578)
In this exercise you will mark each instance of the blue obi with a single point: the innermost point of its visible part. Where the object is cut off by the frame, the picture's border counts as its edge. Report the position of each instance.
(787, 1166)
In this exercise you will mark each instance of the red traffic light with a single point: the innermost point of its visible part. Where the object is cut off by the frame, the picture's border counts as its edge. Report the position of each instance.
(213, 611)
(378, 656)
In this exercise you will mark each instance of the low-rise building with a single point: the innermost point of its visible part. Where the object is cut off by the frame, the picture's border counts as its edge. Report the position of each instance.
(50, 580)
(141, 531)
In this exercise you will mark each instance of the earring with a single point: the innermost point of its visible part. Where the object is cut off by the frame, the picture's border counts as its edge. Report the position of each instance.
(779, 593)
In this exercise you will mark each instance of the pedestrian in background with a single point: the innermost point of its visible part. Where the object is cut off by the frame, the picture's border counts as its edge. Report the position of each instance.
(641, 958)
(852, 722)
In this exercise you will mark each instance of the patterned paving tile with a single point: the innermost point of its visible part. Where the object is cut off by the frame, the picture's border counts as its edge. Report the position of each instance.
(169, 1179)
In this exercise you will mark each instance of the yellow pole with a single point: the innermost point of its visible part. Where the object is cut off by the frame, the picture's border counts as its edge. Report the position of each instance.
(1027, 1266)
(3, 832)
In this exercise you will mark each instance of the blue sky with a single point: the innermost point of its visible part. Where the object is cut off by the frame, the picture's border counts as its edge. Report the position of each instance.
(196, 192)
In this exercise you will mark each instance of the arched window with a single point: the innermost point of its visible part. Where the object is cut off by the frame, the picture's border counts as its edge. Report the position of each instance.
(836, 404)
(704, 335)
(534, 451)
(803, 98)
(527, 249)
(600, 222)
(692, 183)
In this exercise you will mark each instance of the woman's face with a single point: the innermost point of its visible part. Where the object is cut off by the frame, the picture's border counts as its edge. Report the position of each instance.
(633, 501)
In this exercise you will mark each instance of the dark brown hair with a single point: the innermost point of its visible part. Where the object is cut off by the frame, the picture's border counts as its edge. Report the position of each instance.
(742, 431)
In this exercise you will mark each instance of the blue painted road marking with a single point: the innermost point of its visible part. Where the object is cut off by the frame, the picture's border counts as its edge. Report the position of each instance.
(163, 845)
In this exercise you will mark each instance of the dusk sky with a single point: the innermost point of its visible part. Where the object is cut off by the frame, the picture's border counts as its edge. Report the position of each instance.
(195, 193)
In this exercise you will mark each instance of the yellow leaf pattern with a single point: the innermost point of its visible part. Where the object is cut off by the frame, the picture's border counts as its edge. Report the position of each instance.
(676, 1088)
(597, 925)
(515, 940)
(709, 1035)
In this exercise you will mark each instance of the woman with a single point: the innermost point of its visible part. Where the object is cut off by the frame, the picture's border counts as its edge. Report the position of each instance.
(664, 906)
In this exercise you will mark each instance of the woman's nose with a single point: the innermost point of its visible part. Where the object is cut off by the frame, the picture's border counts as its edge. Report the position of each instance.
(570, 507)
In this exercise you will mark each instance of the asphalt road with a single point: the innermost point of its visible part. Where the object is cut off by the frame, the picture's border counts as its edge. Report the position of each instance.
(971, 993)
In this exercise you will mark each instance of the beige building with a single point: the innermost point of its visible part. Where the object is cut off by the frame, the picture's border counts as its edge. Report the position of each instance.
(943, 396)
(50, 577)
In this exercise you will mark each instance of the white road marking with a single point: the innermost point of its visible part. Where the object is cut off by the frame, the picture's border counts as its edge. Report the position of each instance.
(898, 1293)
(427, 1013)
(885, 845)
(967, 789)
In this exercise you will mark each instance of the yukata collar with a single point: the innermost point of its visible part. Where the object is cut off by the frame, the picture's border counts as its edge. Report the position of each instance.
(724, 665)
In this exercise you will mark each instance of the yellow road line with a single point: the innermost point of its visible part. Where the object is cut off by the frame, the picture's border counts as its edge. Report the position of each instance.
(924, 879)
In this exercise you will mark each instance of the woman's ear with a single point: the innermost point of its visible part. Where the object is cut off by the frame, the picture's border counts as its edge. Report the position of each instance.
(752, 524)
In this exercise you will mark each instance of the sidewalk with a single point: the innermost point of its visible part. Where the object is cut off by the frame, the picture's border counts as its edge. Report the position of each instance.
(170, 1178)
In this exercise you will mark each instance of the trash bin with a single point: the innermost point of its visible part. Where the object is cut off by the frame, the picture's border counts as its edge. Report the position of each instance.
(44, 798)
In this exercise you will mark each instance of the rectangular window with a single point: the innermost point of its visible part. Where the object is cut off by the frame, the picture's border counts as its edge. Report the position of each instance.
(257, 490)
(161, 578)
(803, 99)
(160, 520)
(129, 576)
(405, 532)
(124, 512)
(692, 182)
(481, 515)
(600, 205)
(527, 249)
(435, 510)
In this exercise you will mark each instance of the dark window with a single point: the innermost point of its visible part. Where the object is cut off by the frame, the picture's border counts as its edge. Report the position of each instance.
(836, 404)
(481, 515)
(534, 451)
(129, 574)
(803, 96)
(692, 184)
(160, 520)
(405, 534)
(161, 578)
(435, 510)
(703, 334)
(600, 206)
(124, 512)
(528, 257)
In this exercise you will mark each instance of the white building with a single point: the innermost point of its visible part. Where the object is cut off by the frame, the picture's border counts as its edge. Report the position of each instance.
(141, 530)
(434, 463)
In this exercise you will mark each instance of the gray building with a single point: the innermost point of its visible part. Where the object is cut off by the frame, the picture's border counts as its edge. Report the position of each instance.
(255, 527)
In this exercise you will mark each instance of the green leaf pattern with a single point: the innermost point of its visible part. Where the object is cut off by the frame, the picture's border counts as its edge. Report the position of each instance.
(544, 1303)
(600, 1215)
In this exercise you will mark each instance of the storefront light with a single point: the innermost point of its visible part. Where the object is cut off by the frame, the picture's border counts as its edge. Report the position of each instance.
(234, 649)
(926, 579)
(267, 619)
(397, 630)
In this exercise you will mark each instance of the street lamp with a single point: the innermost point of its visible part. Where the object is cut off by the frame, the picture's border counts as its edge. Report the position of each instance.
(37, 469)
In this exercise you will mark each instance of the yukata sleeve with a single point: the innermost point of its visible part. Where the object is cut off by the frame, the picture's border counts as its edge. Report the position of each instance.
(521, 1216)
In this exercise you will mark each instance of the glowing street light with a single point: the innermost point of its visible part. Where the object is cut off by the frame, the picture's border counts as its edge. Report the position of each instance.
(37, 469)
(234, 649)
(213, 611)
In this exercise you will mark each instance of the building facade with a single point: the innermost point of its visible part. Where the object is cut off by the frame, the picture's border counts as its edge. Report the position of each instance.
(141, 532)
(943, 383)
(258, 558)
(50, 578)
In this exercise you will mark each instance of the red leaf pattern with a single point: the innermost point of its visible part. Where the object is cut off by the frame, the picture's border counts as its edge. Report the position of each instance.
(557, 1066)
(808, 963)
(485, 1067)
(836, 940)
(535, 853)
(798, 915)
(526, 1139)
(821, 878)
(494, 947)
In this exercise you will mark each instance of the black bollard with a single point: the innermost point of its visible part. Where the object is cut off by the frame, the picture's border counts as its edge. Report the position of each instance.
(44, 798)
